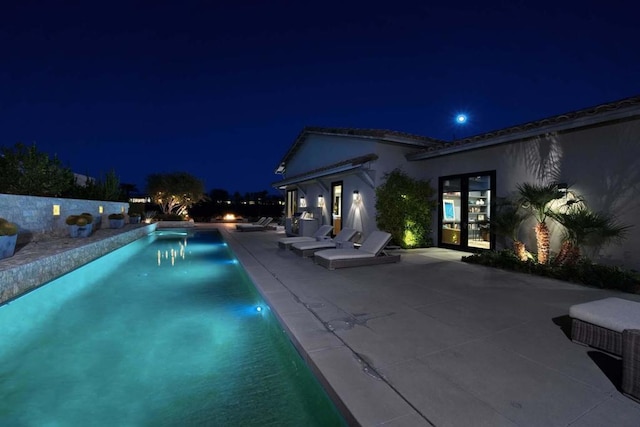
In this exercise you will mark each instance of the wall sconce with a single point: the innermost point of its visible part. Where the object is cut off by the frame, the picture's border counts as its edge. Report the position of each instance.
(303, 202)
(121, 209)
(100, 209)
(321, 201)
(56, 210)
(356, 196)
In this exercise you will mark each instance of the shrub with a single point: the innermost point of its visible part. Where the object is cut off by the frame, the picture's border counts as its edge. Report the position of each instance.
(87, 216)
(8, 228)
(403, 208)
(116, 216)
(584, 272)
(72, 219)
(170, 217)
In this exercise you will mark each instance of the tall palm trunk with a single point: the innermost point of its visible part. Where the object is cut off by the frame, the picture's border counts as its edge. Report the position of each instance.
(573, 256)
(542, 241)
(520, 250)
(565, 248)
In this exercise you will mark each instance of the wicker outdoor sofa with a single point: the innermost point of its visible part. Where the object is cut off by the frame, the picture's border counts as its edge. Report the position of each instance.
(612, 325)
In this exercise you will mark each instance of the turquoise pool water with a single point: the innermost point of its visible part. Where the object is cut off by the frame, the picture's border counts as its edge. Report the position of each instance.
(167, 331)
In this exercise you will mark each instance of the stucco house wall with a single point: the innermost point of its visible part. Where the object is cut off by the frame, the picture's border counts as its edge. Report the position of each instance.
(318, 151)
(601, 163)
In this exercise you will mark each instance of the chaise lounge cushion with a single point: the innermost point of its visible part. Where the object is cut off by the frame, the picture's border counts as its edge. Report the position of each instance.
(612, 313)
(320, 234)
(307, 249)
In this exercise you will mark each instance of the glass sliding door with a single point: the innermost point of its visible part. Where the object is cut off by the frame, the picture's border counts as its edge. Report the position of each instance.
(465, 211)
(451, 212)
(336, 206)
(479, 211)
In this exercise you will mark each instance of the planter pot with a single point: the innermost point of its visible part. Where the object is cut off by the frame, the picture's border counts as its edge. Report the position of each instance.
(80, 231)
(116, 223)
(7, 246)
(134, 220)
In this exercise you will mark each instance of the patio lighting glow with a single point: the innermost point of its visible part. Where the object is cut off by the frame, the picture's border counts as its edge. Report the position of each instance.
(356, 196)
(229, 217)
(303, 202)
(56, 210)
(321, 201)
(100, 209)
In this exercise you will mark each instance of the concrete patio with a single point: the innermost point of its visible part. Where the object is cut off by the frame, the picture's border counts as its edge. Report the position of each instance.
(435, 341)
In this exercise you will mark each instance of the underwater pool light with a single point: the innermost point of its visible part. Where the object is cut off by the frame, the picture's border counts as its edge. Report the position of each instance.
(258, 309)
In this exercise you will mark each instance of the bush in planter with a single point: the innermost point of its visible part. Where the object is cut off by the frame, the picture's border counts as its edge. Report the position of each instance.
(134, 218)
(80, 225)
(8, 238)
(116, 220)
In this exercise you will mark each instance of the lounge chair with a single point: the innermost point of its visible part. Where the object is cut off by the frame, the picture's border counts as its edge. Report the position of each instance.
(371, 252)
(307, 249)
(320, 234)
(255, 227)
(258, 222)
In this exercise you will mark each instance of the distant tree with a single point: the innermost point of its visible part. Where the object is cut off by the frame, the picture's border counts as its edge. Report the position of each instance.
(104, 188)
(237, 198)
(218, 195)
(175, 192)
(25, 170)
(128, 190)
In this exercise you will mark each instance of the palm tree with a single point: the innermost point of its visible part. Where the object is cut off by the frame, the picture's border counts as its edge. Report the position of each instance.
(537, 199)
(506, 221)
(584, 227)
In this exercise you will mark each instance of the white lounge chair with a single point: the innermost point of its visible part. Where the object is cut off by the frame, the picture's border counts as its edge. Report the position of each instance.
(258, 222)
(320, 234)
(255, 227)
(371, 252)
(307, 249)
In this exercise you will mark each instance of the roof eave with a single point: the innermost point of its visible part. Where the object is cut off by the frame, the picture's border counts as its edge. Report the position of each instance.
(570, 124)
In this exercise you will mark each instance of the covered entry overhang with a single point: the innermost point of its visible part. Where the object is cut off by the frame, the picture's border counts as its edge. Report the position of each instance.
(357, 165)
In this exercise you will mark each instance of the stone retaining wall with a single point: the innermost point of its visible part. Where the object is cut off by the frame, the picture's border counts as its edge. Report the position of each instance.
(34, 215)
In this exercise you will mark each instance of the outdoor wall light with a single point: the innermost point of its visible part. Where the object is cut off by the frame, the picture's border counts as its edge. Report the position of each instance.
(100, 209)
(303, 202)
(321, 201)
(356, 196)
(121, 209)
(56, 210)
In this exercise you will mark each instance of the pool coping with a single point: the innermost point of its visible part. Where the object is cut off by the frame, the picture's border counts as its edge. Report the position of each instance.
(42, 261)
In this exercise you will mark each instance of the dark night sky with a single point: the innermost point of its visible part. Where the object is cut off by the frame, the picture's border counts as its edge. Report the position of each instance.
(221, 89)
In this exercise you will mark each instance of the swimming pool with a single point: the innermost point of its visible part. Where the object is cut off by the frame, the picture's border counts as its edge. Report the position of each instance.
(168, 330)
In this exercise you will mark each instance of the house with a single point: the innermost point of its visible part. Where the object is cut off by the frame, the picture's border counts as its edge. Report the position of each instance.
(331, 175)
(593, 152)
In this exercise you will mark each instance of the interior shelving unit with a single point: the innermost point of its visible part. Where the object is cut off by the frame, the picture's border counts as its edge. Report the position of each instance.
(478, 213)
